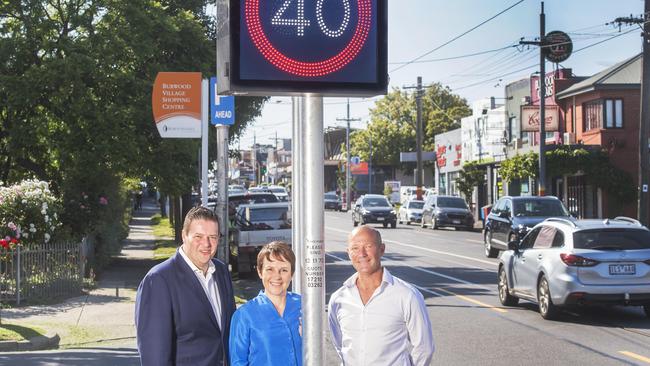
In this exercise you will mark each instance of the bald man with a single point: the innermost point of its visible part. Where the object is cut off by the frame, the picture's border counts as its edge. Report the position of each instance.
(376, 318)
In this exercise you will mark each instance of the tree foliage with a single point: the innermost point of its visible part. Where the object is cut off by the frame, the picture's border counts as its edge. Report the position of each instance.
(472, 175)
(392, 126)
(75, 95)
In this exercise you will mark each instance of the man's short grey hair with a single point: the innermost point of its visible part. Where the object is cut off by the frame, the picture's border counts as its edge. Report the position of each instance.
(369, 229)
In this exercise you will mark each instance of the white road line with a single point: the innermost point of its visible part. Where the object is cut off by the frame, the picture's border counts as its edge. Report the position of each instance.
(475, 241)
(429, 250)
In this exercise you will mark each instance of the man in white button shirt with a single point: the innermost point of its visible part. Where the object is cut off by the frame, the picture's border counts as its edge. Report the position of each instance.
(376, 318)
(184, 304)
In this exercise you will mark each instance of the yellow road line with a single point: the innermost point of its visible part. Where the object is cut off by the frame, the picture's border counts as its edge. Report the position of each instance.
(469, 299)
(635, 356)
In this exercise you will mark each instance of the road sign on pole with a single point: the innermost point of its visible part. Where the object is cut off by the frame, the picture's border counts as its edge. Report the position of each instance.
(222, 108)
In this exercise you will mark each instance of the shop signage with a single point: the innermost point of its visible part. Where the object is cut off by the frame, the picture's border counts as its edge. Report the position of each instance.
(530, 118)
(176, 104)
(558, 46)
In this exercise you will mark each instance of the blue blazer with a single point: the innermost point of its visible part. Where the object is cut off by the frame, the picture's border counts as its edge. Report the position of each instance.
(174, 319)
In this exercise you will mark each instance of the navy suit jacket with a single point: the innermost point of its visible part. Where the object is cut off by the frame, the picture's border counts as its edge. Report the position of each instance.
(174, 319)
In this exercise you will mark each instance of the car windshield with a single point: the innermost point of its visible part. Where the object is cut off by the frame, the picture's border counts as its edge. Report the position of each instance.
(532, 207)
(268, 214)
(612, 239)
(331, 197)
(277, 190)
(416, 205)
(375, 202)
(262, 198)
(451, 202)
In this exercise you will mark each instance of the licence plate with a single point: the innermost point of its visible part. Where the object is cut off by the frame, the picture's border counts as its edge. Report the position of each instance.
(380, 219)
(622, 269)
(456, 221)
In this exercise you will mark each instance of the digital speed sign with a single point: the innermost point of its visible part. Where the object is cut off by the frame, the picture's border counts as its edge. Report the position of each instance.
(289, 47)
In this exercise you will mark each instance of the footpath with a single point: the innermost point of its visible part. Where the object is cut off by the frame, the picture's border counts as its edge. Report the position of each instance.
(99, 323)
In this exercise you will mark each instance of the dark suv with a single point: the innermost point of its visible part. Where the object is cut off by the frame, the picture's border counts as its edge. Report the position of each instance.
(447, 211)
(512, 217)
(374, 208)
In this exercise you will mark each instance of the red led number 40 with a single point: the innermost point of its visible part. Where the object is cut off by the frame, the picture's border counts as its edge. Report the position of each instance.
(300, 22)
(310, 69)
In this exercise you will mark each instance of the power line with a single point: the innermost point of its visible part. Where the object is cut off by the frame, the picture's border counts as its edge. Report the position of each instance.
(457, 37)
(453, 57)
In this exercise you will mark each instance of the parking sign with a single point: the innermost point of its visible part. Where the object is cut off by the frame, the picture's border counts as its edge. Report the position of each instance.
(222, 108)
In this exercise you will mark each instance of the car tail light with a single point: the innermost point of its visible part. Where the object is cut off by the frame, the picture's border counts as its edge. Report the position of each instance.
(647, 262)
(577, 261)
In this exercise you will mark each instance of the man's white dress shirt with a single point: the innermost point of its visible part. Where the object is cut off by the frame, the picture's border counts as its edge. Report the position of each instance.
(392, 328)
(208, 283)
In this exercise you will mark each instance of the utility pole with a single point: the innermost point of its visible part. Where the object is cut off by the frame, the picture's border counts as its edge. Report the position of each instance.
(419, 93)
(542, 99)
(347, 153)
(644, 122)
(370, 165)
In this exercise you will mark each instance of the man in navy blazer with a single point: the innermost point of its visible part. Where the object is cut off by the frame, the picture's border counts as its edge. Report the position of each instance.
(184, 304)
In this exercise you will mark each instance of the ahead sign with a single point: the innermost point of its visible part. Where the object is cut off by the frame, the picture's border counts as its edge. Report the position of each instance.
(222, 108)
(280, 47)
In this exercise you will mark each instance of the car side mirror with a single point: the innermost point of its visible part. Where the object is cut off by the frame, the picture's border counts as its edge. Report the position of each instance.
(513, 245)
(574, 214)
(504, 214)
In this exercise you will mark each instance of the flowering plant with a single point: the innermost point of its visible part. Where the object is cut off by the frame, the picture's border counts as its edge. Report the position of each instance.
(29, 214)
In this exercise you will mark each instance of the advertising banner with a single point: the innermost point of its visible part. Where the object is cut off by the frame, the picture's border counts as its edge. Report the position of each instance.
(176, 104)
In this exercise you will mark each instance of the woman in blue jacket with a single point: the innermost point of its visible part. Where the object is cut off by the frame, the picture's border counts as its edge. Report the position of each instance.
(266, 330)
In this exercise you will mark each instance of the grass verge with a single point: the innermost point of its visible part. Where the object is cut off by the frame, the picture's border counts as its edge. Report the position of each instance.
(12, 332)
(162, 228)
(164, 249)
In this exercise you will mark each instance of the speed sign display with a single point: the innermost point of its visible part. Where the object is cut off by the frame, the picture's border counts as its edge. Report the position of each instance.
(287, 47)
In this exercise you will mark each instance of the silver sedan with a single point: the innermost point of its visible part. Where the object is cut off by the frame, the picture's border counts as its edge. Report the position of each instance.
(410, 211)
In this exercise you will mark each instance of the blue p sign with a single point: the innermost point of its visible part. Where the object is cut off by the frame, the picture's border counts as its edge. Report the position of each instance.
(222, 109)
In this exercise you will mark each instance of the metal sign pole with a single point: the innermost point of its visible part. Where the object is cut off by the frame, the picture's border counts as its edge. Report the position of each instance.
(314, 251)
(296, 193)
(205, 102)
(222, 191)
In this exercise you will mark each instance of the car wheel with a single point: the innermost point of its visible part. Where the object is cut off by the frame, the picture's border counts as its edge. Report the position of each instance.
(393, 224)
(646, 308)
(433, 223)
(354, 222)
(399, 219)
(489, 251)
(385, 224)
(422, 225)
(547, 309)
(504, 295)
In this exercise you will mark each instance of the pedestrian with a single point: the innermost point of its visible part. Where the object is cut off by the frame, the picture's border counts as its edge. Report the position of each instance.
(138, 200)
(184, 304)
(376, 318)
(266, 330)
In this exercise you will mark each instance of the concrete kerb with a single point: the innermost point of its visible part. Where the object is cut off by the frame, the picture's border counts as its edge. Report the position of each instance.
(37, 343)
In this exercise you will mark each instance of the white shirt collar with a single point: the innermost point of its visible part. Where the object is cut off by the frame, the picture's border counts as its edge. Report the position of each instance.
(385, 278)
(195, 269)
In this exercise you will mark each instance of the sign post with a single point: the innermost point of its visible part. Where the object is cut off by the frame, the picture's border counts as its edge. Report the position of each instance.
(222, 115)
(311, 49)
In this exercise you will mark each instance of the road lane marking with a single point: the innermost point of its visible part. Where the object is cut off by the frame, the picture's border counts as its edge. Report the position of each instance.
(473, 301)
(429, 272)
(475, 241)
(428, 250)
(635, 356)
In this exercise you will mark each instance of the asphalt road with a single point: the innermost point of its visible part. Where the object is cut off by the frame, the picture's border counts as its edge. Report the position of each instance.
(470, 326)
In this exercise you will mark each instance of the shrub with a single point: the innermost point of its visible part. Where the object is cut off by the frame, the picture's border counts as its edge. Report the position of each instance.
(29, 214)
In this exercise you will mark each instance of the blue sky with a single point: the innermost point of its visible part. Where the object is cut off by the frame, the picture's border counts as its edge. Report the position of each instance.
(416, 27)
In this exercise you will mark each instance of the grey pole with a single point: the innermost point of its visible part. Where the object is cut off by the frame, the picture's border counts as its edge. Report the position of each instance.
(418, 136)
(370, 164)
(205, 98)
(314, 251)
(644, 125)
(542, 104)
(348, 198)
(296, 193)
(222, 187)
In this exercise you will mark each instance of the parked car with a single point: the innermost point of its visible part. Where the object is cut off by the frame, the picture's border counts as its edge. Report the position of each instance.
(248, 198)
(512, 217)
(566, 262)
(374, 208)
(446, 211)
(332, 202)
(280, 192)
(410, 211)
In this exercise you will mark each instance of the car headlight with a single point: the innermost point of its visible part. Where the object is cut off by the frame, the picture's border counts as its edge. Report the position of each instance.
(393, 212)
(365, 212)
